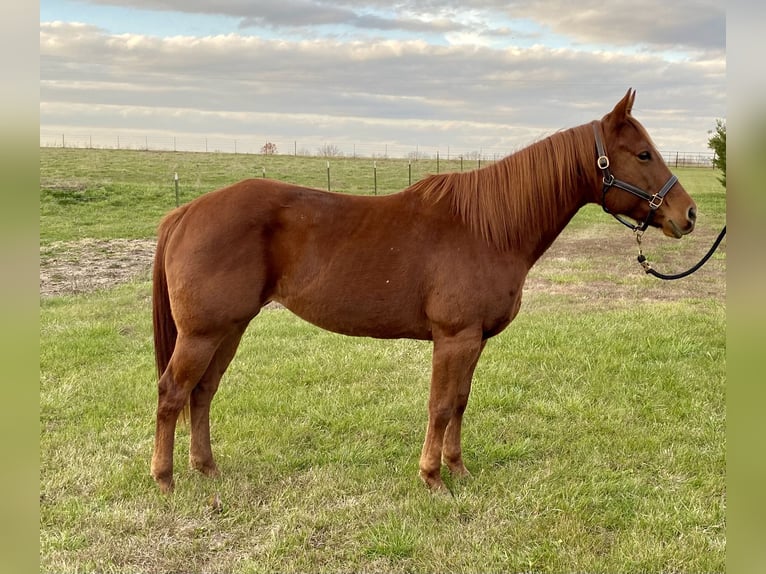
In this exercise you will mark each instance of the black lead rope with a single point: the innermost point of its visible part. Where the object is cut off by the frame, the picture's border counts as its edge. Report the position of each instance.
(648, 268)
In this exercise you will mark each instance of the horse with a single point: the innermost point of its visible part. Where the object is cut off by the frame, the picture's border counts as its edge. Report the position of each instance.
(444, 260)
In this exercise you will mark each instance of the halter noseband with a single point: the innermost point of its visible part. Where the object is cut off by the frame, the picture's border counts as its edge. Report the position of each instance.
(609, 181)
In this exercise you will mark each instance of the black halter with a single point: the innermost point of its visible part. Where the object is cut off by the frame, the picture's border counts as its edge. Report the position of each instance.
(609, 181)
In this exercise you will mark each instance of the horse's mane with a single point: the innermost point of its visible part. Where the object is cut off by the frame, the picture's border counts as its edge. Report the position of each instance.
(517, 198)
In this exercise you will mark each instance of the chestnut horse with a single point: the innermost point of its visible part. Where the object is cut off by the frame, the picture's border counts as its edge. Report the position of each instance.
(444, 260)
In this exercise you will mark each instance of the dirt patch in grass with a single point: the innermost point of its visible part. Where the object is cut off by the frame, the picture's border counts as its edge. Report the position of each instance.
(69, 267)
(588, 266)
(582, 266)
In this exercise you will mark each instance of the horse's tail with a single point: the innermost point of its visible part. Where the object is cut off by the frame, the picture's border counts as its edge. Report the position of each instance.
(165, 331)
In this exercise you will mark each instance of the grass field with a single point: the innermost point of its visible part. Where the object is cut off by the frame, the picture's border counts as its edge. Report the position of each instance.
(595, 430)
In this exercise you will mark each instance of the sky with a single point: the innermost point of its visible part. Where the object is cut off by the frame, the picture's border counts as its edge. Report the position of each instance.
(377, 76)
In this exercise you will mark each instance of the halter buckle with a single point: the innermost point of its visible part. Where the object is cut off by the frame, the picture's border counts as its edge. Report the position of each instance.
(655, 202)
(602, 162)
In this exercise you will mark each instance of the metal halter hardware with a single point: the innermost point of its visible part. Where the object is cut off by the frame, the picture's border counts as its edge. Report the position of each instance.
(609, 181)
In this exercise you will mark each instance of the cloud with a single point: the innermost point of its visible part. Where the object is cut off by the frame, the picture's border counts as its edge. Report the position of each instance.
(384, 90)
(683, 24)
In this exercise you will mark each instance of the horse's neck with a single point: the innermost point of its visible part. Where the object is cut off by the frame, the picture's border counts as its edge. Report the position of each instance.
(539, 244)
(541, 188)
(522, 203)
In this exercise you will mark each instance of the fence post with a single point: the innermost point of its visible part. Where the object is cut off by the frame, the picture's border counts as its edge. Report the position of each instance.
(409, 169)
(328, 175)
(437, 161)
(175, 178)
(375, 177)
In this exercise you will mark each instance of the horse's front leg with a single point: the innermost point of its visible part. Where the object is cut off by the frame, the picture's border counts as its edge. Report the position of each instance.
(454, 359)
(452, 451)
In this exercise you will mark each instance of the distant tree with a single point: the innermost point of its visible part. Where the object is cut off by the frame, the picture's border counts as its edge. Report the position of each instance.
(329, 150)
(472, 155)
(717, 143)
(269, 148)
(417, 154)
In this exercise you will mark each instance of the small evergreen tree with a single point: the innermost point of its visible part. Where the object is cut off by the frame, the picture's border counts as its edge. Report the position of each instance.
(717, 143)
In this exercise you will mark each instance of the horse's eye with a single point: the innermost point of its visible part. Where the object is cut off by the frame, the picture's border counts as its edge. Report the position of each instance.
(645, 156)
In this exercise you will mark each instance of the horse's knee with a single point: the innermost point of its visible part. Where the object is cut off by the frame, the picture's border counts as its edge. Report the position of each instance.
(440, 413)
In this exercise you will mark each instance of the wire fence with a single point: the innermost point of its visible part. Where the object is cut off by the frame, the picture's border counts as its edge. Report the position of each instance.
(316, 149)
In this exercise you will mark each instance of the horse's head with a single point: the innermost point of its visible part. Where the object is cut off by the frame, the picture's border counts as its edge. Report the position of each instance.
(636, 181)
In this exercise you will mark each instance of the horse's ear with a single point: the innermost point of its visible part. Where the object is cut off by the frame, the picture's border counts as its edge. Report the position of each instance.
(622, 110)
(625, 106)
(631, 97)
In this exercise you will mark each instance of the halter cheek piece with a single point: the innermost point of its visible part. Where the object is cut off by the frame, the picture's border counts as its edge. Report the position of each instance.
(609, 181)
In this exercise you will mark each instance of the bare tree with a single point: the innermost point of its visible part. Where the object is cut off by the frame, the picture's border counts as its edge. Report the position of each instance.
(329, 150)
(417, 154)
(269, 148)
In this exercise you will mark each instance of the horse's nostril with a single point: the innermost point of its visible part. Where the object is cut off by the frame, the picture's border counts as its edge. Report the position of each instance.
(692, 213)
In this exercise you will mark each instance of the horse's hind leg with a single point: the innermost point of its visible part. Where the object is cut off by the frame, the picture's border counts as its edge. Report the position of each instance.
(191, 358)
(200, 451)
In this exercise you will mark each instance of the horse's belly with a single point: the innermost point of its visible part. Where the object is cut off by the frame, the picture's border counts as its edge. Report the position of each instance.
(362, 317)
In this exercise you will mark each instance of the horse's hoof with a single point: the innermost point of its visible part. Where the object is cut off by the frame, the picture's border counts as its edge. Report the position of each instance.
(209, 470)
(166, 485)
(459, 471)
(434, 483)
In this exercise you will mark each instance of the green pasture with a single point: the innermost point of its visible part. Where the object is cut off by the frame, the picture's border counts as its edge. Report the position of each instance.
(595, 430)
